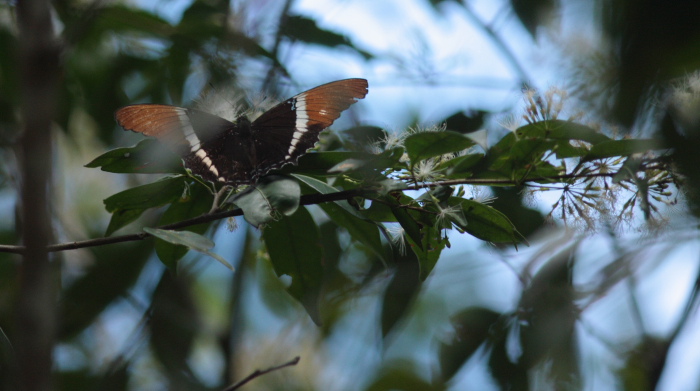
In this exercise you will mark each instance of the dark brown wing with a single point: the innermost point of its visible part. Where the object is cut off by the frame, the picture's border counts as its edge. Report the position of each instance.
(286, 131)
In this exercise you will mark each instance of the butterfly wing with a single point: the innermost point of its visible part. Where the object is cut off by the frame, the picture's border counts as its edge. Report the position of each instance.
(285, 132)
(199, 138)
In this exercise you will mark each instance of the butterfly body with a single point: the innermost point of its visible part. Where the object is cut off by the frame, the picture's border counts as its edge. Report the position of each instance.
(240, 152)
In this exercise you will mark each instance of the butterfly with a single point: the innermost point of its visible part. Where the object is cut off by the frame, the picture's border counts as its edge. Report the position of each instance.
(242, 151)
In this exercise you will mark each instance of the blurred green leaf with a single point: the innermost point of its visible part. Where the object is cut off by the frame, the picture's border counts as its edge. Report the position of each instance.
(400, 375)
(303, 29)
(644, 364)
(548, 330)
(293, 243)
(112, 380)
(534, 13)
(402, 290)
(472, 328)
(190, 240)
(508, 374)
(174, 324)
(119, 19)
(347, 217)
(362, 138)
(102, 284)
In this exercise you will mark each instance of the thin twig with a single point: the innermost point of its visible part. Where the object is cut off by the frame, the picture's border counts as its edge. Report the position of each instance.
(259, 373)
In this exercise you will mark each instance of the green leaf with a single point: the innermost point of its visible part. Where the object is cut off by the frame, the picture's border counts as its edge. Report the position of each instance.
(561, 130)
(421, 146)
(293, 243)
(121, 218)
(465, 123)
(128, 205)
(410, 226)
(188, 239)
(508, 375)
(273, 193)
(644, 364)
(306, 30)
(462, 165)
(159, 193)
(174, 325)
(359, 138)
(614, 148)
(485, 222)
(550, 315)
(472, 328)
(146, 157)
(123, 20)
(321, 163)
(401, 291)
(100, 285)
(198, 203)
(401, 375)
(429, 252)
(344, 215)
(519, 159)
(534, 13)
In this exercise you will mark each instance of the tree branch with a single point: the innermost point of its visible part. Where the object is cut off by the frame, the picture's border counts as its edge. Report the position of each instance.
(308, 199)
(259, 373)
